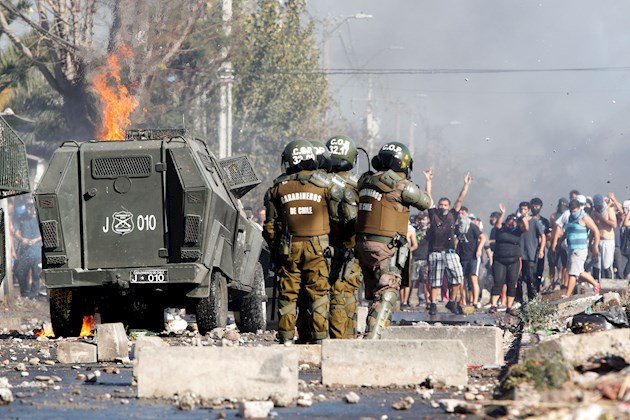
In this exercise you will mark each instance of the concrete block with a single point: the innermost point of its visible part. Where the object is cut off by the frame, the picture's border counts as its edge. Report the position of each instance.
(311, 354)
(112, 342)
(393, 362)
(76, 352)
(573, 305)
(252, 373)
(362, 312)
(579, 348)
(143, 343)
(615, 285)
(484, 345)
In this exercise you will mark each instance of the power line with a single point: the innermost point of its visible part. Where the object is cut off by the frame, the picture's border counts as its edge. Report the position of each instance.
(465, 71)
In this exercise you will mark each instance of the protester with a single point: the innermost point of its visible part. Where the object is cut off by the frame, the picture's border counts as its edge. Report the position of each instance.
(507, 258)
(576, 229)
(442, 256)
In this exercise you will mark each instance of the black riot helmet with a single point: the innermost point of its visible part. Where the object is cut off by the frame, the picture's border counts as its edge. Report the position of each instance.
(395, 156)
(343, 153)
(322, 154)
(298, 155)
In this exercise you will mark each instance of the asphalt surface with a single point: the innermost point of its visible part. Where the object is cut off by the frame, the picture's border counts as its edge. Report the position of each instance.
(56, 390)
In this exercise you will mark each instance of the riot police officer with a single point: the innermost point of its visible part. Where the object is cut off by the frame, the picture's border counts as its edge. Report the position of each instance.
(303, 325)
(382, 222)
(297, 228)
(346, 276)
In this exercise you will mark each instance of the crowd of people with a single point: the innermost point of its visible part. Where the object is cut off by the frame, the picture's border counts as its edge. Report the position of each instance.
(332, 233)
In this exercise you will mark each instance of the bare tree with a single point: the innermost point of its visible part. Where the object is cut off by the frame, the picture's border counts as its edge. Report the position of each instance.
(63, 47)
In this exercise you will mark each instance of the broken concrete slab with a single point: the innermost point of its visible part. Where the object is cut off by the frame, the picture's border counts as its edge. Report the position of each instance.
(253, 373)
(579, 348)
(573, 305)
(484, 345)
(393, 362)
(143, 343)
(615, 285)
(448, 318)
(112, 342)
(76, 352)
(311, 354)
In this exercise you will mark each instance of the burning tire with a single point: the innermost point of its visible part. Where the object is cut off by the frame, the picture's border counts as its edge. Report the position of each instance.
(66, 312)
(253, 315)
(212, 311)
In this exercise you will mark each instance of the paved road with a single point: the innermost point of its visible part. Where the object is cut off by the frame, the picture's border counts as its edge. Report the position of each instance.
(114, 396)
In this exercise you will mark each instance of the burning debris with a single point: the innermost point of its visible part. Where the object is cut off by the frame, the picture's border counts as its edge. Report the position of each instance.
(118, 103)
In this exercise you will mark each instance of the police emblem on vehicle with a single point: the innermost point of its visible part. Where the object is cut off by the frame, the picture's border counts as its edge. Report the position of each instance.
(122, 223)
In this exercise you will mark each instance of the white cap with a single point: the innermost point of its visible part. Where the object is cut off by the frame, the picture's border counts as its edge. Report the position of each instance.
(581, 199)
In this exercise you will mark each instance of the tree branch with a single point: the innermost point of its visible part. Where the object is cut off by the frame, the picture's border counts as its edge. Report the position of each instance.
(26, 51)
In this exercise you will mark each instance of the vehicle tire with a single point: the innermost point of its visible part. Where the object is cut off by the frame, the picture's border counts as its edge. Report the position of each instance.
(253, 316)
(212, 311)
(66, 312)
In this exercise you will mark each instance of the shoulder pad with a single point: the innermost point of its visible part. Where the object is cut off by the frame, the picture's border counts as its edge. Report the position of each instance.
(267, 198)
(391, 178)
(349, 196)
(412, 195)
(338, 180)
(363, 178)
(282, 178)
(350, 179)
(320, 179)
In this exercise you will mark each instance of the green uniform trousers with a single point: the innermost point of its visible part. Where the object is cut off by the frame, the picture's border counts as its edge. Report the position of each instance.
(304, 270)
(343, 302)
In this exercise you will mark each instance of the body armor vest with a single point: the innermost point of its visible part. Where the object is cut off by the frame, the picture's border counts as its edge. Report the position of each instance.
(305, 206)
(381, 211)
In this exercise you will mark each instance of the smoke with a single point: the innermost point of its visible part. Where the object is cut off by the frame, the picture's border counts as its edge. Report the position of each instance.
(521, 134)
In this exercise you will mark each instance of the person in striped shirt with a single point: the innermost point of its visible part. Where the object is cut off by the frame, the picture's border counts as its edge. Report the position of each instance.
(576, 229)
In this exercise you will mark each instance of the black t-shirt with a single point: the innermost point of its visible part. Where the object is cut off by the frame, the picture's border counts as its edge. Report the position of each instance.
(467, 243)
(442, 229)
(422, 252)
(508, 243)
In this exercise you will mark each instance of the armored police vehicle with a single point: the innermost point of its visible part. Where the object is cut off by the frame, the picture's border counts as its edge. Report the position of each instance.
(134, 226)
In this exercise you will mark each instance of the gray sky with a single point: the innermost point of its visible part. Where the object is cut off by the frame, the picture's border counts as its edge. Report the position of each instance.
(521, 134)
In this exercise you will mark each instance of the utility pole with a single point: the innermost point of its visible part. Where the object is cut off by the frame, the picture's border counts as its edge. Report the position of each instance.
(371, 124)
(328, 31)
(226, 76)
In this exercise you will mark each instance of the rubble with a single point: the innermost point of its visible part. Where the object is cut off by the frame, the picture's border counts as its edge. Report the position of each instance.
(351, 398)
(255, 409)
(112, 342)
(403, 404)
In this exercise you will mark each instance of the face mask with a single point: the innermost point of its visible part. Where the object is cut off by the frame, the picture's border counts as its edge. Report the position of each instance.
(422, 225)
(575, 213)
(535, 211)
(444, 212)
(588, 210)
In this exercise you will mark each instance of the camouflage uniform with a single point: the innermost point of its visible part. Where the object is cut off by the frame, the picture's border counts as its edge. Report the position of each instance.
(346, 276)
(297, 227)
(382, 223)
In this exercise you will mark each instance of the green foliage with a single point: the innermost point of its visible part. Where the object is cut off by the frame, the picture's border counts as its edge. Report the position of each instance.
(549, 372)
(279, 94)
(536, 314)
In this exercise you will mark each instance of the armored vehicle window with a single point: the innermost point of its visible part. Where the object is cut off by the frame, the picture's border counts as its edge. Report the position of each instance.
(130, 166)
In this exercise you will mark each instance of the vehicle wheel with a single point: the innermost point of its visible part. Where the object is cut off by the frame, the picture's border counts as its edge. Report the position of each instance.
(253, 316)
(66, 312)
(212, 311)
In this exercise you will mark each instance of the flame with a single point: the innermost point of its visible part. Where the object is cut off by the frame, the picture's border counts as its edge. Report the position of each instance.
(88, 326)
(118, 104)
(44, 331)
